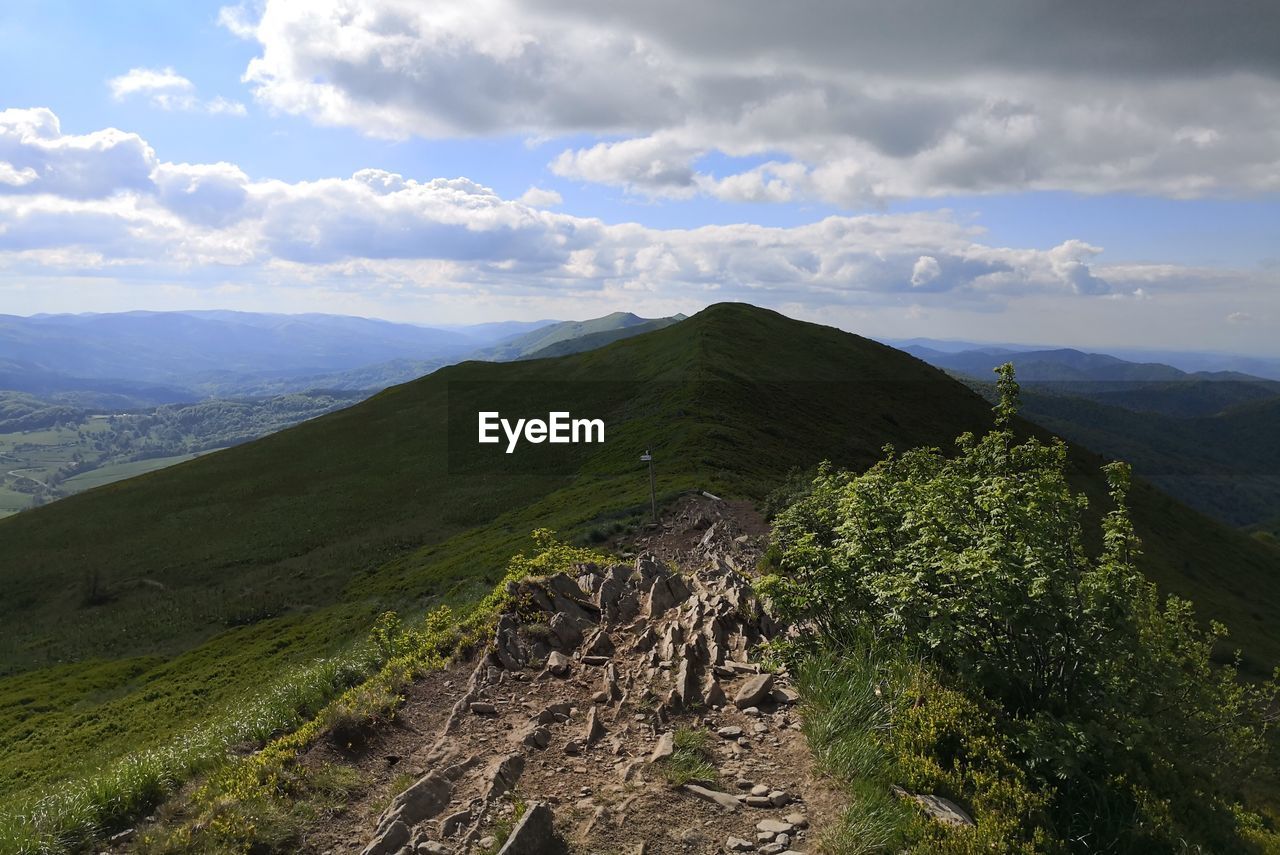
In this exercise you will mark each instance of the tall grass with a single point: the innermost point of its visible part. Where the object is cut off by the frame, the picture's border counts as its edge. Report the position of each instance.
(75, 813)
(847, 717)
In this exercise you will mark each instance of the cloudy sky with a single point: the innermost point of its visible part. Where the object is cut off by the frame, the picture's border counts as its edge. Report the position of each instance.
(1090, 173)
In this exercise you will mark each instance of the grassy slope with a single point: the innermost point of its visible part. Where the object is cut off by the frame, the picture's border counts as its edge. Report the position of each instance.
(535, 340)
(279, 550)
(596, 340)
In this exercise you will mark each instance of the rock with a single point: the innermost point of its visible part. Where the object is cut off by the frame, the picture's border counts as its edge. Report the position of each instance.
(759, 790)
(390, 840)
(599, 644)
(559, 664)
(712, 693)
(538, 738)
(774, 848)
(753, 691)
(737, 844)
(685, 688)
(595, 660)
(455, 822)
(432, 848)
(758, 801)
(729, 732)
(665, 747)
(565, 631)
(783, 696)
(799, 820)
(659, 598)
(573, 748)
(645, 641)
(594, 730)
(425, 798)
(629, 771)
(483, 708)
(611, 689)
(724, 800)
(943, 810)
(504, 774)
(777, 826)
(534, 834)
(780, 798)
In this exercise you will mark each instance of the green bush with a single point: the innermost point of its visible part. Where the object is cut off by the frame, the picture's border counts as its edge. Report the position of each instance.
(1100, 695)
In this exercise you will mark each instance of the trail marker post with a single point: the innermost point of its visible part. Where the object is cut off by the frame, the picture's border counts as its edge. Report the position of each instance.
(653, 489)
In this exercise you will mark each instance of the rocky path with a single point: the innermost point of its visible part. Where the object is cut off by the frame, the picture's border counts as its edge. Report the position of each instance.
(561, 737)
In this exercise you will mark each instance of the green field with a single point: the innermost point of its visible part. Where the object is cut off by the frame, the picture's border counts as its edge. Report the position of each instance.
(49, 450)
(117, 471)
(137, 609)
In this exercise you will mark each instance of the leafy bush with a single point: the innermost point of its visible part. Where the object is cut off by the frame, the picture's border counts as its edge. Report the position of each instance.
(1101, 695)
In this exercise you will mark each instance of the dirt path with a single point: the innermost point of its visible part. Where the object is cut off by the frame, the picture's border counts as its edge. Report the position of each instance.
(568, 715)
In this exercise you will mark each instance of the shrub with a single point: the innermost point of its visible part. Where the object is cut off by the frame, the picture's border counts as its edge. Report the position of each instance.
(1102, 696)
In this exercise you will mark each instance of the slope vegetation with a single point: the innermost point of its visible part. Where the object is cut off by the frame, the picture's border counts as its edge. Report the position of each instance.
(139, 607)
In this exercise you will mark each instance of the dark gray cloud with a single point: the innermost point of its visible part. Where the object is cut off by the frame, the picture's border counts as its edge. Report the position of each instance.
(919, 38)
(857, 101)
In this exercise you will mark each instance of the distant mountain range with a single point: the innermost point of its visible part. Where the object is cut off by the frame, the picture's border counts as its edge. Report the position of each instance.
(1190, 361)
(567, 337)
(139, 359)
(1141, 386)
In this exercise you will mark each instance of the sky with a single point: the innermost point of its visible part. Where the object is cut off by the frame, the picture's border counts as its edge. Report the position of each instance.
(1093, 173)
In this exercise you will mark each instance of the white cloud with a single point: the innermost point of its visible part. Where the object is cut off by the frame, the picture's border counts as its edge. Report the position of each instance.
(39, 158)
(925, 270)
(11, 175)
(166, 89)
(110, 208)
(148, 81)
(853, 102)
(538, 197)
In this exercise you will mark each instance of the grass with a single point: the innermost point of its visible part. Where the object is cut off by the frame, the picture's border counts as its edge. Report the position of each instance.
(691, 760)
(222, 573)
(845, 718)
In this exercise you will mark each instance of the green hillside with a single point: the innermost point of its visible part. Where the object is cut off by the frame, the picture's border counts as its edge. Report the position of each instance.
(592, 340)
(611, 327)
(136, 609)
(1226, 465)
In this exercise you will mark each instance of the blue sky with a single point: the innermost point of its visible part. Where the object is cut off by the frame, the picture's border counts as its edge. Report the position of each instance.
(1032, 196)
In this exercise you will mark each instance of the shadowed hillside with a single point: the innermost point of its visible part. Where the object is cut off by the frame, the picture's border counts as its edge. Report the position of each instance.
(202, 580)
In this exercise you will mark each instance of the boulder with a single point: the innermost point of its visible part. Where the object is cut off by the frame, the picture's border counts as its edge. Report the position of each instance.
(425, 798)
(665, 747)
(593, 731)
(558, 664)
(504, 774)
(389, 841)
(534, 834)
(753, 691)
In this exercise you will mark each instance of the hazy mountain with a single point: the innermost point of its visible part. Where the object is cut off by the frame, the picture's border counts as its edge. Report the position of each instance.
(1141, 386)
(620, 324)
(184, 348)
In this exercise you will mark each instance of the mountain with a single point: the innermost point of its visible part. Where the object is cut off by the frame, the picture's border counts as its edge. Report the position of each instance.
(1189, 361)
(592, 340)
(134, 609)
(1142, 386)
(1225, 465)
(189, 348)
(609, 328)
